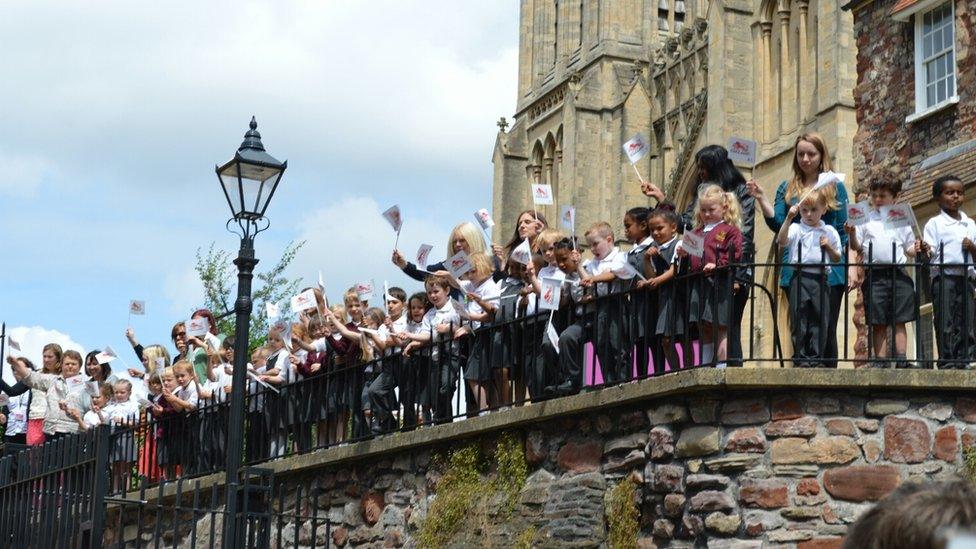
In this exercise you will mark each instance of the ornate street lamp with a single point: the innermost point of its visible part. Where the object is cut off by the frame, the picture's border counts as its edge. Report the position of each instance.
(249, 181)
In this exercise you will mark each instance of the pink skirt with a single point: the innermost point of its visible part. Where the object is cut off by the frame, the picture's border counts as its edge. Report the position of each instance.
(35, 432)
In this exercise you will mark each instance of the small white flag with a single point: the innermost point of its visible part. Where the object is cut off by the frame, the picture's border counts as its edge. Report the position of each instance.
(196, 327)
(272, 310)
(303, 301)
(13, 343)
(551, 334)
(484, 219)
(460, 309)
(522, 253)
(693, 244)
(137, 307)
(106, 356)
(827, 178)
(321, 283)
(459, 264)
(857, 214)
(422, 254)
(627, 271)
(742, 151)
(549, 295)
(541, 194)
(364, 290)
(92, 388)
(567, 218)
(636, 148)
(898, 215)
(393, 216)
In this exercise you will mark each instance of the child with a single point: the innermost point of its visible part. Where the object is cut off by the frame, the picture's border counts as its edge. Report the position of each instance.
(660, 268)
(148, 466)
(185, 399)
(482, 293)
(313, 369)
(212, 426)
(537, 370)
(396, 301)
(123, 414)
(437, 327)
(279, 371)
(413, 371)
(257, 422)
(379, 383)
(349, 355)
(605, 271)
(642, 305)
(815, 245)
(949, 238)
(565, 358)
(169, 426)
(717, 218)
(97, 414)
(504, 341)
(889, 294)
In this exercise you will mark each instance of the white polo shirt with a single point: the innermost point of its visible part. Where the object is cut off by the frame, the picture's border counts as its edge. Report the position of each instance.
(804, 245)
(877, 240)
(944, 235)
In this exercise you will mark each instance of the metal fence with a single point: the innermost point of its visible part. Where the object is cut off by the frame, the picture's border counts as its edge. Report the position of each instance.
(603, 341)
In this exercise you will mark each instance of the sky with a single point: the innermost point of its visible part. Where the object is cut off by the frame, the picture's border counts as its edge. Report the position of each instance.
(115, 114)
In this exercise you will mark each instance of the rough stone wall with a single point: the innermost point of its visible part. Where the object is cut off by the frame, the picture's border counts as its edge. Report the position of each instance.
(738, 469)
(885, 92)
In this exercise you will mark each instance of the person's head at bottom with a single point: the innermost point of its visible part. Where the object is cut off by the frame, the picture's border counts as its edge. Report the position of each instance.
(924, 515)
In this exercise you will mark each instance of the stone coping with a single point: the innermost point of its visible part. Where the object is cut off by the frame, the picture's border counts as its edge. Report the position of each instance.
(707, 380)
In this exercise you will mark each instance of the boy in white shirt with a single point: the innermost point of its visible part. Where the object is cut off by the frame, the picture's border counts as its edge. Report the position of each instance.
(815, 245)
(889, 294)
(949, 239)
(606, 271)
(438, 327)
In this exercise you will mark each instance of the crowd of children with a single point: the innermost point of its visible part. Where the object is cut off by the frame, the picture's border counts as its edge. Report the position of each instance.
(515, 327)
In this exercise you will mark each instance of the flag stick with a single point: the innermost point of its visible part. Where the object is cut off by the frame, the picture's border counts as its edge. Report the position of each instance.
(638, 173)
(3, 345)
(397, 241)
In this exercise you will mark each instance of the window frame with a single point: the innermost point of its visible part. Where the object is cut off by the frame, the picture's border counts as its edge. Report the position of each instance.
(921, 78)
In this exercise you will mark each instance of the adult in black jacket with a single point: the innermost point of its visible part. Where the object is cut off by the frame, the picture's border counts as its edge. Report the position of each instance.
(714, 166)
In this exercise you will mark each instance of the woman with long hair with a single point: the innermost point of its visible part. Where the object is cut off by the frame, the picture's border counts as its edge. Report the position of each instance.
(810, 158)
(714, 166)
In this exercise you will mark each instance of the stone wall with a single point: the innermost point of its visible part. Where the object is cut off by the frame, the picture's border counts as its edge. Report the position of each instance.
(736, 458)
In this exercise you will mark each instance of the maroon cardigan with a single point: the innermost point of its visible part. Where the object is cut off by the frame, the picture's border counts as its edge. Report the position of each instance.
(723, 245)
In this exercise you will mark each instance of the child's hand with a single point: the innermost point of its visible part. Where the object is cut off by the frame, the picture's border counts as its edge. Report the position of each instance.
(794, 210)
(576, 256)
(680, 252)
(754, 189)
(461, 332)
(708, 268)
(443, 328)
(315, 367)
(968, 245)
(530, 270)
(293, 359)
(849, 228)
(398, 259)
(652, 252)
(586, 281)
(135, 373)
(824, 242)
(921, 247)
(651, 190)
(3, 419)
(409, 348)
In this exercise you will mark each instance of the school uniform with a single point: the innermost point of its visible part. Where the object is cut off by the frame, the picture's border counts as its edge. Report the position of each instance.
(381, 392)
(670, 317)
(168, 433)
(187, 424)
(608, 328)
(503, 343)
(641, 309)
(710, 298)
(478, 366)
(889, 294)
(953, 305)
(315, 405)
(277, 405)
(258, 422)
(809, 301)
(124, 447)
(17, 410)
(565, 357)
(444, 360)
(414, 373)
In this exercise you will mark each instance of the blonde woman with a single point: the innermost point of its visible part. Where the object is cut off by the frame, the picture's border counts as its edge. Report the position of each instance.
(464, 237)
(810, 159)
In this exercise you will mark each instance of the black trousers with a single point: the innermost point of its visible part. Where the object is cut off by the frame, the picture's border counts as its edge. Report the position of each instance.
(569, 358)
(739, 301)
(954, 313)
(809, 317)
(835, 298)
(382, 398)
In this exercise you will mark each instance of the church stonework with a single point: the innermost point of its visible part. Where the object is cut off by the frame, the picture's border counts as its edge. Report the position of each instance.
(683, 73)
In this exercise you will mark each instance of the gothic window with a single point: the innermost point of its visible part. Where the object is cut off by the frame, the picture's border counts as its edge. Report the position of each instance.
(679, 15)
(663, 11)
(581, 12)
(935, 60)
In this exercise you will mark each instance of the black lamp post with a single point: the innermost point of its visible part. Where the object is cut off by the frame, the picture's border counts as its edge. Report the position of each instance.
(249, 181)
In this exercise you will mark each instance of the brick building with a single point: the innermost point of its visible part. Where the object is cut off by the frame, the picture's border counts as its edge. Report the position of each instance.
(916, 111)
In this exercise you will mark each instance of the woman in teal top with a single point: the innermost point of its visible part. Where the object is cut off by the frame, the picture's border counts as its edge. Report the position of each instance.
(810, 159)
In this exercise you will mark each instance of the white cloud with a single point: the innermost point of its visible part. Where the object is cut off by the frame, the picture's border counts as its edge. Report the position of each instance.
(32, 341)
(184, 291)
(351, 242)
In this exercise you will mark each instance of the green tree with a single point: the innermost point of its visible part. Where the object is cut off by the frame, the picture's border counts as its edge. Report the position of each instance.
(218, 273)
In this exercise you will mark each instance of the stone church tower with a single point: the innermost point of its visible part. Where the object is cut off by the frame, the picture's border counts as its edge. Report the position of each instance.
(686, 74)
